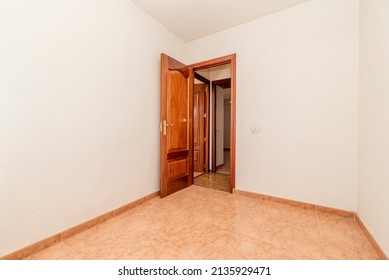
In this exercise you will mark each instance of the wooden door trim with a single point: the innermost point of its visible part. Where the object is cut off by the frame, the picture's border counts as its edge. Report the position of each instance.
(201, 78)
(214, 62)
(214, 128)
(233, 122)
(228, 59)
(223, 83)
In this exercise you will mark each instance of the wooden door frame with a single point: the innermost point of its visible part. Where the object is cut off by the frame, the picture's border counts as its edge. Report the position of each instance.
(228, 59)
(207, 112)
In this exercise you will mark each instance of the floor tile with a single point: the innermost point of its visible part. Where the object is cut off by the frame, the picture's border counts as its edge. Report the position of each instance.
(202, 223)
(343, 233)
(338, 253)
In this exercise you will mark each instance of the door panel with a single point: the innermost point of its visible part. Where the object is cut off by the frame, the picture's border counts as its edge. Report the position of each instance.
(198, 127)
(178, 168)
(177, 111)
(175, 126)
(196, 157)
(196, 120)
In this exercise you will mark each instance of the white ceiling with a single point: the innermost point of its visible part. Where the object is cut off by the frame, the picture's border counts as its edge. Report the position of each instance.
(193, 19)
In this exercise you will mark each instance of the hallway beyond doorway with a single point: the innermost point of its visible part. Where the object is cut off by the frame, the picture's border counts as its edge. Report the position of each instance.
(225, 168)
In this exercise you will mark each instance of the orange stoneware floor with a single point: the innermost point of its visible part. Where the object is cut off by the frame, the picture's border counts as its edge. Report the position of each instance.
(202, 223)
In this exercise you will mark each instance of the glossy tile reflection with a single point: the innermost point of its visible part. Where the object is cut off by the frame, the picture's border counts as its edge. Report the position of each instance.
(216, 181)
(199, 223)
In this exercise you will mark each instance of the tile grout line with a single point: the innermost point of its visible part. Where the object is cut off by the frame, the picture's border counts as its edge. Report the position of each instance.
(338, 245)
(294, 224)
(321, 232)
(163, 241)
(266, 216)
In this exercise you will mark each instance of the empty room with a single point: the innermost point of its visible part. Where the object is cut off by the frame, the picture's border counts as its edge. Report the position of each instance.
(120, 121)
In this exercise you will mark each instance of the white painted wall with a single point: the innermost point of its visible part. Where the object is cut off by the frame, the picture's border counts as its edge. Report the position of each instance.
(75, 138)
(373, 172)
(297, 76)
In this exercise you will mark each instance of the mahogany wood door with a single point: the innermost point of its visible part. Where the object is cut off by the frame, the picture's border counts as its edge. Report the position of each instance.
(176, 116)
(198, 127)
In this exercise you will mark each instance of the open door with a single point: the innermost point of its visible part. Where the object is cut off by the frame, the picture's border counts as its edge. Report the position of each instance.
(199, 128)
(176, 117)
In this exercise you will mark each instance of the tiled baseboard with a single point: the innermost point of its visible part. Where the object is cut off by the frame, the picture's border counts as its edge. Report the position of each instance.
(56, 238)
(343, 213)
(373, 242)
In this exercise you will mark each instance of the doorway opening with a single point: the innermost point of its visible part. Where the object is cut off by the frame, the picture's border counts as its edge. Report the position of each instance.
(219, 124)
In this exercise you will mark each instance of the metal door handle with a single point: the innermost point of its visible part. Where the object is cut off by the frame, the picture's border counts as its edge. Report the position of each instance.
(164, 126)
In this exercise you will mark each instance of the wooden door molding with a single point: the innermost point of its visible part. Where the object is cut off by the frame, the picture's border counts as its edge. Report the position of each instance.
(223, 83)
(228, 59)
(176, 126)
